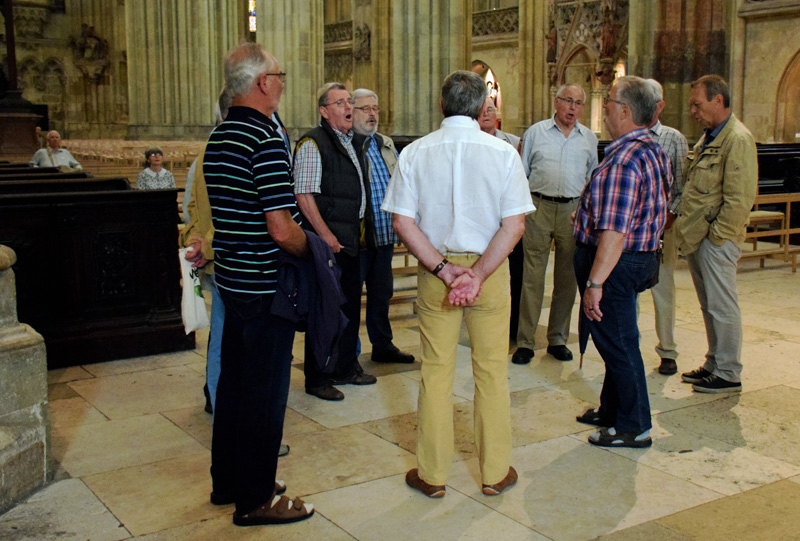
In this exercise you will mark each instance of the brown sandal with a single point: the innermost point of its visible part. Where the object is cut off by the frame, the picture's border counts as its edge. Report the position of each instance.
(497, 488)
(281, 510)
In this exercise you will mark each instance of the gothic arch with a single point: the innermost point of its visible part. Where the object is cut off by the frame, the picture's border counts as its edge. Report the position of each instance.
(787, 103)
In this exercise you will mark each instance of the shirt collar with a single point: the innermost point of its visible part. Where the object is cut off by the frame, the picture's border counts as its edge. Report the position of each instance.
(630, 136)
(712, 134)
(656, 129)
(460, 121)
(578, 127)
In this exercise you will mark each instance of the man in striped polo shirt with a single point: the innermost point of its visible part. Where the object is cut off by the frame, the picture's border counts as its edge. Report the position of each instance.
(247, 172)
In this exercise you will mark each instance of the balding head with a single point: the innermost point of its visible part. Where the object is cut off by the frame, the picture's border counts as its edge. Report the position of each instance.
(243, 65)
(54, 139)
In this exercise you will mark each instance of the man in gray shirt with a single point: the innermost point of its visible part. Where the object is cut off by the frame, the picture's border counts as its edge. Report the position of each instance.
(559, 155)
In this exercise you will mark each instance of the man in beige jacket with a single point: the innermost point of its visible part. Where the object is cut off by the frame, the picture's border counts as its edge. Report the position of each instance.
(721, 182)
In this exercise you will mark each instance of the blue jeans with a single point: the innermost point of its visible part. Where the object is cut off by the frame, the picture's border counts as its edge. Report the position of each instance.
(376, 271)
(624, 397)
(214, 350)
(251, 399)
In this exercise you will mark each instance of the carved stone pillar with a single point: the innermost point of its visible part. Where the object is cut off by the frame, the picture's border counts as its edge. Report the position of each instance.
(643, 21)
(431, 40)
(534, 39)
(372, 52)
(292, 30)
(175, 52)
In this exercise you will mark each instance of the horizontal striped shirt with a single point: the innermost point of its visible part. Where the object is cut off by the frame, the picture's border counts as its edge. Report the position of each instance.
(628, 193)
(247, 172)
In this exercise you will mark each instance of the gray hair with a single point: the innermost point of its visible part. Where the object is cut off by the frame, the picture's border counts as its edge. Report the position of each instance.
(223, 104)
(364, 93)
(657, 89)
(714, 84)
(322, 93)
(463, 93)
(639, 97)
(243, 64)
(563, 87)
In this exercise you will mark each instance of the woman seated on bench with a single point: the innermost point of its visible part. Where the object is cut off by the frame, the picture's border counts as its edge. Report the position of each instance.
(155, 177)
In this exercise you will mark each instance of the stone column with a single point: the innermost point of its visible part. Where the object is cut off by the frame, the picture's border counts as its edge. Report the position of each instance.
(293, 31)
(431, 40)
(24, 417)
(642, 27)
(534, 21)
(373, 55)
(175, 52)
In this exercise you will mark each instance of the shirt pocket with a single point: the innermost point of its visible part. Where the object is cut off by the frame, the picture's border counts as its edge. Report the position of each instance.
(706, 173)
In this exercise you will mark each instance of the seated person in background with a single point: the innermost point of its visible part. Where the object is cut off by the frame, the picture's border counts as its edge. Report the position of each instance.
(155, 177)
(55, 156)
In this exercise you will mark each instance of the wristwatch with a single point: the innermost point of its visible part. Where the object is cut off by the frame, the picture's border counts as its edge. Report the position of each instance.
(591, 284)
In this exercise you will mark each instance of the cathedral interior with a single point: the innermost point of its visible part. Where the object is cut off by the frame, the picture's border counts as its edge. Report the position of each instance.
(127, 443)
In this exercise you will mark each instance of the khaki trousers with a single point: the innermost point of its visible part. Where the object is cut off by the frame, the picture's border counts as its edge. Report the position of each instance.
(550, 222)
(440, 325)
(664, 298)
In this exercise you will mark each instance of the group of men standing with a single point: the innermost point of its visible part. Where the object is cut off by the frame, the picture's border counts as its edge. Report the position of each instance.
(458, 198)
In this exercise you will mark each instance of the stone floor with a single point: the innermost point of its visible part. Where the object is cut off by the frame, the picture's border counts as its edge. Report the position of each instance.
(132, 443)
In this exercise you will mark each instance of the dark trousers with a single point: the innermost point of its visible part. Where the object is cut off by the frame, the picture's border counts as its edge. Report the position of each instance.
(516, 260)
(348, 359)
(376, 271)
(624, 396)
(251, 399)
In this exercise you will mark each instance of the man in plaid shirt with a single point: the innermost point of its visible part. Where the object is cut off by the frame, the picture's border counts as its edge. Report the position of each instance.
(618, 226)
(376, 257)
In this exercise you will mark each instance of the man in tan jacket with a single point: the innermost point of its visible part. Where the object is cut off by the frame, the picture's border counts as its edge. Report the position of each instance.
(721, 182)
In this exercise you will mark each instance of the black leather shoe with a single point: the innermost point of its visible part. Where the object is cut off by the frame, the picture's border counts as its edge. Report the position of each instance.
(668, 367)
(562, 353)
(326, 392)
(392, 356)
(208, 408)
(522, 356)
(356, 378)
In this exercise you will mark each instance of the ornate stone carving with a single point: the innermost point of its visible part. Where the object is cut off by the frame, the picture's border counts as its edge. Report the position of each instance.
(338, 67)
(361, 44)
(29, 21)
(339, 32)
(496, 21)
(90, 53)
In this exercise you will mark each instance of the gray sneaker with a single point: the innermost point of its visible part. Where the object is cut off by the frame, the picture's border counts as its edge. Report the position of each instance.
(715, 384)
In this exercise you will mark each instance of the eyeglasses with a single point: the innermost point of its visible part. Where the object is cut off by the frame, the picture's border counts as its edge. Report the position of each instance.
(570, 101)
(341, 103)
(606, 99)
(280, 75)
(369, 108)
(155, 154)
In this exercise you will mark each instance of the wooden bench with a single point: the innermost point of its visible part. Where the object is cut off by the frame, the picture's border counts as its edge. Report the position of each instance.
(781, 229)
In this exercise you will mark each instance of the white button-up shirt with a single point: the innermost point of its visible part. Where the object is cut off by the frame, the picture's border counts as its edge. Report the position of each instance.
(458, 183)
(558, 166)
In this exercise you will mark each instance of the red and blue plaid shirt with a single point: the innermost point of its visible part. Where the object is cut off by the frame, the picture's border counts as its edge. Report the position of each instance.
(628, 193)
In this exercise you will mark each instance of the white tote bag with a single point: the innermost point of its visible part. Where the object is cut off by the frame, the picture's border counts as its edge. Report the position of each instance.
(193, 305)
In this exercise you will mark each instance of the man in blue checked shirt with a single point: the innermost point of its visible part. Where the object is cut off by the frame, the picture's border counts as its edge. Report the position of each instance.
(618, 226)
(376, 259)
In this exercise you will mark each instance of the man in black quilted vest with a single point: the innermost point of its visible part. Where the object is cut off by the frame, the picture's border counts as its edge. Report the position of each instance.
(329, 174)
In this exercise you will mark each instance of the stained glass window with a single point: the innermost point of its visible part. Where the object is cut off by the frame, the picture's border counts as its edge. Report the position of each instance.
(251, 15)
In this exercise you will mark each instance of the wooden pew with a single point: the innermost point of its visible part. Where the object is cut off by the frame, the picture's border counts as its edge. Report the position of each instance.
(97, 272)
(44, 176)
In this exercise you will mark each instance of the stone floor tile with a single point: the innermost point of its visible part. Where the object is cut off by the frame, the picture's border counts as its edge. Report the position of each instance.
(709, 463)
(87, 449)
(570, 490)
(65, 510)
(297, 423)
(767, 512)
(649, 531)
(330, 459)
(60, 391)
(194, 421)
(397, 511)
(317, 527)
(160, 495)
(139, 364)
(740, 426)
(391, 395)
(142, 392)
(63, 375)
(73, 411)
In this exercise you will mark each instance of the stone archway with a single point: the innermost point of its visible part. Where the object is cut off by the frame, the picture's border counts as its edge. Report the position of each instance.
(493, 86)
(787, 104)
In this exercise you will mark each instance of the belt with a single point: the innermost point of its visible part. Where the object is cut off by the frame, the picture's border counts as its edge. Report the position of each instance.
(554, 199)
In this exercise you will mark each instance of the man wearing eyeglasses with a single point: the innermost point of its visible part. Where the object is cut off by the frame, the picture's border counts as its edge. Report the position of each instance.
(559, 155)
(332, 190)
(618, 226)
(376, 255)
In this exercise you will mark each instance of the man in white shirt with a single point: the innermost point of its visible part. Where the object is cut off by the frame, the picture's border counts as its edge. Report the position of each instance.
(55, 156)
(559, 155)
(459, 197)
